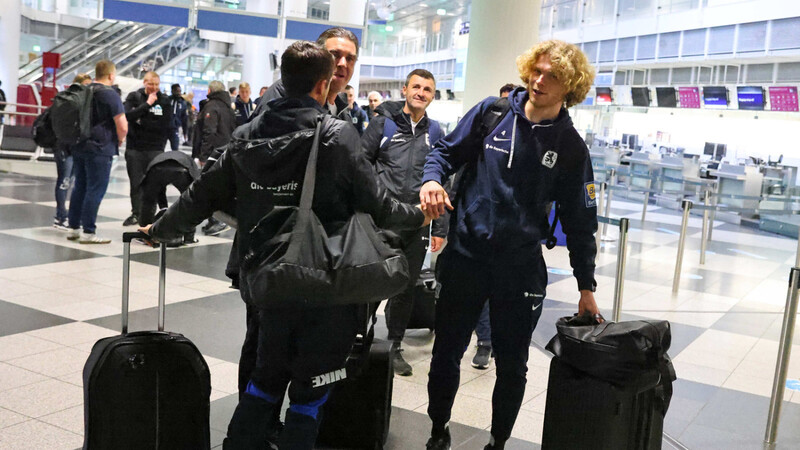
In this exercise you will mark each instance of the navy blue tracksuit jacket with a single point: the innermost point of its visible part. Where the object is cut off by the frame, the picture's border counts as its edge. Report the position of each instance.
(510, 175)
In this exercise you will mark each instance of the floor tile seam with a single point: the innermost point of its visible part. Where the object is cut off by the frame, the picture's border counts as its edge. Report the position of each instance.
(48, 378)
(27, 419)
(58, 426)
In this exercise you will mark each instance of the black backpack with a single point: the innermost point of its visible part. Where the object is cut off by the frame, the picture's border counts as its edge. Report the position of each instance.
(42, 130)
(71, 114)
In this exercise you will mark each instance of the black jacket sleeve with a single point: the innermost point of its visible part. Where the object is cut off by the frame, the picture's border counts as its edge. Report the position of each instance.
(578, 215)
(135, 106)
(215, 190)
(368, 195)
(371, 139)
(441, 226)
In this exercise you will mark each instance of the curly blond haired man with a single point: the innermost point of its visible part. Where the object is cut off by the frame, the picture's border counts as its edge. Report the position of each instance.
(518, 155)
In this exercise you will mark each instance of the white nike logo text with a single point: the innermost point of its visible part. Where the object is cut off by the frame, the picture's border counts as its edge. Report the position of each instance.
(496, 139)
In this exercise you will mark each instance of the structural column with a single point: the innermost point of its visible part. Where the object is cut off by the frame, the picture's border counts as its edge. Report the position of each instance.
(10, 25)
(256, 68)
(498, 33)
(349, 12)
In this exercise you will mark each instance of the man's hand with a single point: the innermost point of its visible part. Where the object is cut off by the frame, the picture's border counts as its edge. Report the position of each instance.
(433, 199)
(152, 98)
(428, 217)
(437, 243)
(587, 305)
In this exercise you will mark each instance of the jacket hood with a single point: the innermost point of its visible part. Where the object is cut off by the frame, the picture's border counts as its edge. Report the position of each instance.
(222, 96)
(276, 137)
(519, 96)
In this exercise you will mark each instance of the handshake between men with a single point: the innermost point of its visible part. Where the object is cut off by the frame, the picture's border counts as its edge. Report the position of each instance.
(433, 200)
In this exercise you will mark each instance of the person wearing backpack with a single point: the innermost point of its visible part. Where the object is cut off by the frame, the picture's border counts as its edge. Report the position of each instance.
(62, 155)
(297, 346)
(396, 143)
(516, 155)
(149, 112)
(91, 158)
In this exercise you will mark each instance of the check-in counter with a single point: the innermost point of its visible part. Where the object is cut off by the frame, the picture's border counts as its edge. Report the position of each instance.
(641, 174)
(738, 180)
(677, 175)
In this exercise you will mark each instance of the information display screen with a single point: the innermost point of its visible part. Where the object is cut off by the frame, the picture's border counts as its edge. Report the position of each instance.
(603, 96)
(641, 96)
(783, 98)
(665, 96)
(715, 96)
(750, 97)
(689, 97)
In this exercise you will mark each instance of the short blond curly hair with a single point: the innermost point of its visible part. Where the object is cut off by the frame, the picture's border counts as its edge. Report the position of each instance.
(569, 65)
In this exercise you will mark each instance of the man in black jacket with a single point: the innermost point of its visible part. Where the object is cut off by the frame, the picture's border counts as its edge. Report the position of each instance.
(343, 45)
(180, 116)
(295, 345)
(149, 113)
(215, 123)
(396, 142)
(357, 114)
(214, 127)
(532, 156)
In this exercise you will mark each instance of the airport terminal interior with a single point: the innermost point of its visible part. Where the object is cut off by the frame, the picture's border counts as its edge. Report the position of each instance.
(692, 127)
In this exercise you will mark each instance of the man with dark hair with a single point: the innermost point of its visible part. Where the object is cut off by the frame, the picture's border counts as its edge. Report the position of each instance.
(518, 155)
(260, 93)
(295, 345)
(506, 89)
(149, 113)
(396, 142)
(343, 45)
(180, 116)
(92, 159)
(358, 116)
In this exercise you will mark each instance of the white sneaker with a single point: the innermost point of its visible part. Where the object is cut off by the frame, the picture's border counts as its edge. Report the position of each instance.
(91, 238)
(73, 234)
(60, 226)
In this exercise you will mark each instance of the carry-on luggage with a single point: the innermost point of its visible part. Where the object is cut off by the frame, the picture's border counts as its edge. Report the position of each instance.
(610, 385)
(423, 313)
(146, 389)
(584, 412)
(358, 410)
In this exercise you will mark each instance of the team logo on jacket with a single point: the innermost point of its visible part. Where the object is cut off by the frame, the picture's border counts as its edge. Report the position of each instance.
(589, 194)
(549, 159)
(157, 110)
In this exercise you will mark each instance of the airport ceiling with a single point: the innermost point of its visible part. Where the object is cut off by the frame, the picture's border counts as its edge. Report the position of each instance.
(408, 12)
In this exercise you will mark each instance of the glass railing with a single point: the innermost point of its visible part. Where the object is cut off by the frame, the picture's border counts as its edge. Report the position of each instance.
(409, 47)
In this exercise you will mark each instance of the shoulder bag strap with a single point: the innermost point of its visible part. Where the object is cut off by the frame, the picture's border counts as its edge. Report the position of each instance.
(310, 178)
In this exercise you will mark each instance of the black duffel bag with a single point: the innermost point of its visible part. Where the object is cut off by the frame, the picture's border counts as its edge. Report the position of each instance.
(294, 261)
(617, 352)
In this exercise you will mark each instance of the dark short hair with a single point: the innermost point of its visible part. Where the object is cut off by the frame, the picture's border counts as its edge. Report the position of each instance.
(303, 64)
(420, 73)
(507, 88)
(174, 86)
(338, 32)
(231, 89)
(348, 87)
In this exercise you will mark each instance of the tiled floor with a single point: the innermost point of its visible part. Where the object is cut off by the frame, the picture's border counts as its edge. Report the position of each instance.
(58, 297)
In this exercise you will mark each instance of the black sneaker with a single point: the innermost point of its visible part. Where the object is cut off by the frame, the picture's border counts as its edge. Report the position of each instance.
(131, 220)
(439, 440)
(216, 229)
(493, 445)
(482, 357)
(401, 367)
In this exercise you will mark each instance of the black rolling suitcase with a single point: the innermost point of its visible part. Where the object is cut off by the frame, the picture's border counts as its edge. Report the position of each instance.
(423, 313)
(610, 385)
(146, 389)
(358, 410)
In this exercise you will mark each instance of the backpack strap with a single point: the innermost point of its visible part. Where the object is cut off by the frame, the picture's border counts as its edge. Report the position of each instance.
(389, 129)
(492, 117)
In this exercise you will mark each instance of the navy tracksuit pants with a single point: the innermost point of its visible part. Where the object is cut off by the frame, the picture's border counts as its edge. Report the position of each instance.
(515, 295)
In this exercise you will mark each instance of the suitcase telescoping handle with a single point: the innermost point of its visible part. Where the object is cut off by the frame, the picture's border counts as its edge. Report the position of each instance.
(126, 272)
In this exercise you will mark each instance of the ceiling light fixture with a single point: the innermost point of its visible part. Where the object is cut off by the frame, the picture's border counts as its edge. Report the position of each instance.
(441, 12)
